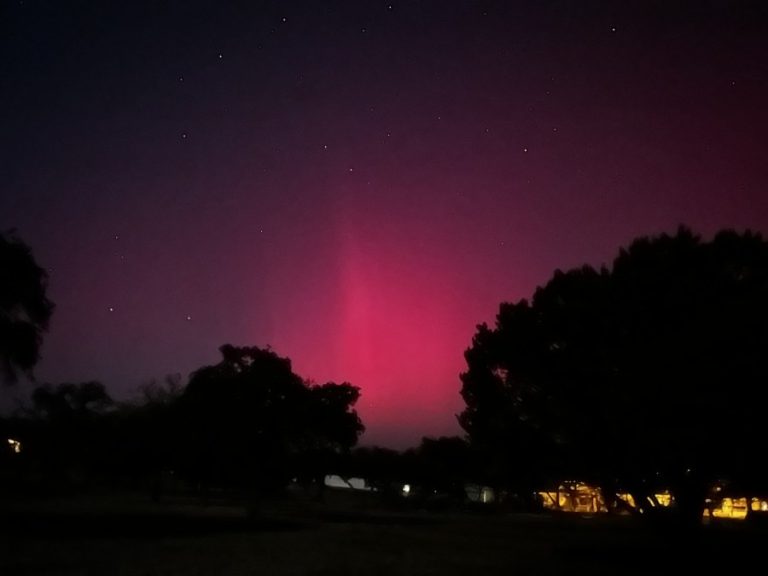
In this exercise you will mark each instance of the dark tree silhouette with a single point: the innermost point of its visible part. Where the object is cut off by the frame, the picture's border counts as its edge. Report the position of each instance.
(443, 466)
(24, 308)
(329, 429)
(650, 373)
(78, 435)
(254, 423)
(147, 436)
(66, 433)
(383, 468)
(67, 401)
(330, 419)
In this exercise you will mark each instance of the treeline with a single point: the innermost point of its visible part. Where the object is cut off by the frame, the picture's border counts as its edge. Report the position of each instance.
(247, 424)
(644, 376)
(641, 377)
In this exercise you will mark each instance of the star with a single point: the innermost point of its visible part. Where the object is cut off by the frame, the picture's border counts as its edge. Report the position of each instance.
(183, 135)
(189, 318)
(111, 309)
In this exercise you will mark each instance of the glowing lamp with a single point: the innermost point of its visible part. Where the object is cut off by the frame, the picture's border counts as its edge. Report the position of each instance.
(15, 445)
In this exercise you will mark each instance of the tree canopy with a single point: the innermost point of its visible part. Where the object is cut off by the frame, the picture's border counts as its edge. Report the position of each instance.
(651, 371)
(251, 417)
(24, 308)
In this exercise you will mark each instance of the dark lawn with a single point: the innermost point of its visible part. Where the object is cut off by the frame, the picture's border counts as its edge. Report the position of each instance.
(142, 539)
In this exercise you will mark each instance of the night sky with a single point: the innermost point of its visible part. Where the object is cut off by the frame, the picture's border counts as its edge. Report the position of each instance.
(357, 184)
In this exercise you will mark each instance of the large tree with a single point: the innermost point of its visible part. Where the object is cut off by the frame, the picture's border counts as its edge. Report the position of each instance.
(650, 373)
(24, 308)
(254, 422)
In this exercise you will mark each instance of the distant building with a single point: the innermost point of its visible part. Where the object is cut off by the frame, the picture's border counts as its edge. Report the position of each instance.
(336, 481)
(583, 498)
(579, 497)
(478, 493)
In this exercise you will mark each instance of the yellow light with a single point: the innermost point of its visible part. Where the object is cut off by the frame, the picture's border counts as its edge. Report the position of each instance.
(627, 498)
(664, 499)
(731, 508)
(574, 497)
(548, 500)
(15, 445)
(406, 489)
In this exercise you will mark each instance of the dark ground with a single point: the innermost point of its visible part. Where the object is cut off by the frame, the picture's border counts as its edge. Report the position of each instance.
(132, 536)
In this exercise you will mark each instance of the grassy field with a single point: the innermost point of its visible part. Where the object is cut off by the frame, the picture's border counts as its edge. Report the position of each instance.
(138, 538)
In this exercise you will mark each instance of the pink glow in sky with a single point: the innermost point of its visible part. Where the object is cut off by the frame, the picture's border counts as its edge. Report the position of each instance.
(358, 184)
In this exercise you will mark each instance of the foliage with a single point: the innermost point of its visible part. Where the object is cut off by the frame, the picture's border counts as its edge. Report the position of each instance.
(65, 435)
(442, 466)
(252, 419)
(69, 401)
(24, 308)
(651, 371)
(248, 422)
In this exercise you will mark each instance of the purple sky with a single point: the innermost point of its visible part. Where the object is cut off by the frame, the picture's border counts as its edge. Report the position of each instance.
(358, 184)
